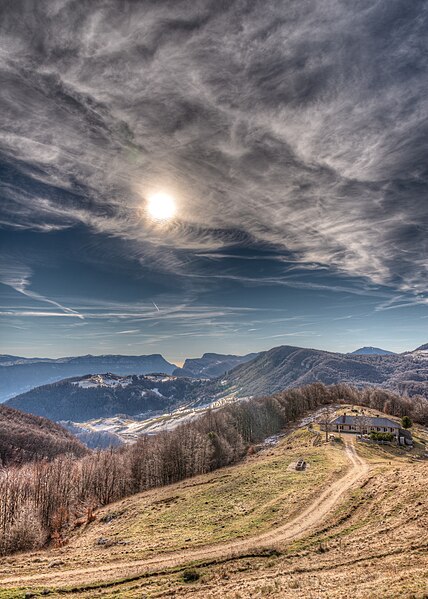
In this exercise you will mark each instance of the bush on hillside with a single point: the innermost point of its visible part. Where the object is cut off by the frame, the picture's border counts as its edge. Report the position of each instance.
(388, 437)
(26, 531)
(406, 422)
(190, 575)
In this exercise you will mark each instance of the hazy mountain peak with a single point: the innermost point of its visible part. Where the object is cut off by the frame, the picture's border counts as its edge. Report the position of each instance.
(369, 351)
(211, 365)
(423, 347)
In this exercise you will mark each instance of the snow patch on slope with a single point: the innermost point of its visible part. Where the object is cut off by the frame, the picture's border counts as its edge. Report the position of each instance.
(103, 380)
(129, 429)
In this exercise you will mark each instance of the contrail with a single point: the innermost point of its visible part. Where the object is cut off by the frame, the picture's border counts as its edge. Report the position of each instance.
(156, 306)
(17, 276)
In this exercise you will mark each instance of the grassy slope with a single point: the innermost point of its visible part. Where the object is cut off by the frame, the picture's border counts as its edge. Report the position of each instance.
(233, 502)
(377, 539)
(230, 503)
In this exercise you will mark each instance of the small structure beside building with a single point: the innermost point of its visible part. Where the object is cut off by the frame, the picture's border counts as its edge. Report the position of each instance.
(364, 425)
(301, 464)
(405, 437)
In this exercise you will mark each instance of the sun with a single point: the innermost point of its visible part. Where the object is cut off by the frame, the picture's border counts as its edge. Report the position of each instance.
(161, 206)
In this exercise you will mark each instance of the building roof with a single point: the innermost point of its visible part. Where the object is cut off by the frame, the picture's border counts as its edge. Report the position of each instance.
(368, 420)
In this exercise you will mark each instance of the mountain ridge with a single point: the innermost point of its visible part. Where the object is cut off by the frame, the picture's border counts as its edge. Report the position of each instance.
(211, 365)
(423, 347)
(286, 366)
(101, 396)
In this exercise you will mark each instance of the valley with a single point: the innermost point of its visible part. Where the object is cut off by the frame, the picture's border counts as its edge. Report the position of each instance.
(128, 429)
(211, 365)
(203, 498)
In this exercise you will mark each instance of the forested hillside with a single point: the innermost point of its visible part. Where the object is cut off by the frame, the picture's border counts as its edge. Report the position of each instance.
(25, 438)
(85, 398)
(288, 366)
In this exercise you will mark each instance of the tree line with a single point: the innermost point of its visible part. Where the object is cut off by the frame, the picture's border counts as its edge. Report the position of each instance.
(42, 502)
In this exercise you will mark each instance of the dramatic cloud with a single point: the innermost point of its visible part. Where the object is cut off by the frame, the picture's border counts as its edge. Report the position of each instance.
(300, 124)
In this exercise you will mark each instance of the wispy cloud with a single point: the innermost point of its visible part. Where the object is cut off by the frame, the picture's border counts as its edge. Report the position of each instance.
(186, 314)
(18, 277)
(296, 283)
(130, 332)
(37, 314)
(293, 334)
(402, 301)
(301, 126)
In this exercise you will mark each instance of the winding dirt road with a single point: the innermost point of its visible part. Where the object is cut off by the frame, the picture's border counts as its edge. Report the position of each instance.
(308, 519)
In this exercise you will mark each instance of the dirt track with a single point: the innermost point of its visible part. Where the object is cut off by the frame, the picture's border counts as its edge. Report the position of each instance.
(312, 516)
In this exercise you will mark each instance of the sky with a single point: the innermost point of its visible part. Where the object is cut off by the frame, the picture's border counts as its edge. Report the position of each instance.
(291, 136)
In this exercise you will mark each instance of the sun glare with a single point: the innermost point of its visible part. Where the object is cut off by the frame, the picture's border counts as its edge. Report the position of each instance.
(161, 206)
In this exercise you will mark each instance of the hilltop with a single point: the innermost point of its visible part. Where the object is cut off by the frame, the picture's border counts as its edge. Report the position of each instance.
(369, 350)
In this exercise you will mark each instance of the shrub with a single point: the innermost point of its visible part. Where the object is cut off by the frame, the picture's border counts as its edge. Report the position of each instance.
(25, 533)
(190, 575)
(406, 422)
(382, 436)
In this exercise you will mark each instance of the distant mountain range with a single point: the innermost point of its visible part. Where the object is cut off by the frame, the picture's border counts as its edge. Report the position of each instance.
(101, 396)
(370, 351)
(18, 374)
(211, 365)
(21, 374)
